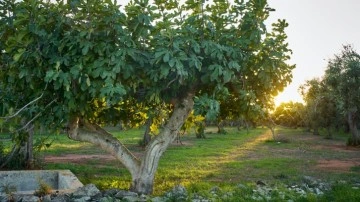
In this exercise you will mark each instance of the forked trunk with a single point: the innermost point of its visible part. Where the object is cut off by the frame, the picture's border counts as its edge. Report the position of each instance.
(144, 179)
(142, 172)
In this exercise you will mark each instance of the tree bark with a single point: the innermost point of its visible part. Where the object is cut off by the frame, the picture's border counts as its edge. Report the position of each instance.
(29, 157)
(144, 179)
(220, 126)
(142, 171)
(355, 136)
(83, 131)
(147, 136)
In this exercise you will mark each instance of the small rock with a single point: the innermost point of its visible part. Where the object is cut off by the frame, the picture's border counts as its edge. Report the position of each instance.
(111, 192)
(122, 194)
(241, 186)
(356, 184)
(144, 197)
(46, 198)
(108, 199)
(82, 199)
(3, 197)
(131, 199)
(61, 198)
(318, 191)
(342, 182)
(215, 189)
(29, 198)
(159, 199)
(87, 190)
(178, 192)
(310, 180)
(202, 200)
(260, 183)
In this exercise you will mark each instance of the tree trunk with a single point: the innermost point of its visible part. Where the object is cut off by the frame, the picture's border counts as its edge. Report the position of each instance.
(355, 136)
(144, 178)
(29, 157)
(142, 172)
(147, 136)
(329, 134)
(316, 131)
(220, 126)
(94, 134)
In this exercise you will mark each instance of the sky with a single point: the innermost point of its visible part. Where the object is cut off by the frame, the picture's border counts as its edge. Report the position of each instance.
(317, 30)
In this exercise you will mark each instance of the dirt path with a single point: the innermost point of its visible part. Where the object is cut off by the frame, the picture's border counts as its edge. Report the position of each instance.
(78, 158)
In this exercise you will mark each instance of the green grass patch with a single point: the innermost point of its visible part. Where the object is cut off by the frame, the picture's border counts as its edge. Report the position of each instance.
(223, 160)
(342, 192)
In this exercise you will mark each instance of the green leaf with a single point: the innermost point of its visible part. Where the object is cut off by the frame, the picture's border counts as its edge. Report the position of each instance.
(172, 62)
(160, 53)
(71, 104)
(164, 71)
(166, 57)
(75, 70)
(49, 75)
(227, 76)
(179, 65)
(217, 72)
(97, 72)
(19, 54)
(85, 49)
(88, 81)
(234, 65)
(23, 73)
(57, 65)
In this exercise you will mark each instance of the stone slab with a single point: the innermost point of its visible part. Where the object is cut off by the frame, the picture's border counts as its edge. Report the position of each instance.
(27, 181)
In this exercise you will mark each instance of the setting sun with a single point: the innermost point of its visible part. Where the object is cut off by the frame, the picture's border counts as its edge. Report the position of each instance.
(288, 95)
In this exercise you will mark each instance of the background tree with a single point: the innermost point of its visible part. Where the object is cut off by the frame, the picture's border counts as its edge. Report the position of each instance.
(289, 114)
(74, 55)
(313, 96)
(336, 96)
(342, 77)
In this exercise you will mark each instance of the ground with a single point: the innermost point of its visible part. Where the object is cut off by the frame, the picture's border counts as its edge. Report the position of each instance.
(249, 159)
(313, 143)
(320, 143)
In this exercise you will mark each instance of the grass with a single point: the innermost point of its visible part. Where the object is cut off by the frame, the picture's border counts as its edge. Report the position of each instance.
(223, 160)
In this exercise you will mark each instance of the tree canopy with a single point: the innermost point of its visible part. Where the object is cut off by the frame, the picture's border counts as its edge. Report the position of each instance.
(334, 99)
(84, 60)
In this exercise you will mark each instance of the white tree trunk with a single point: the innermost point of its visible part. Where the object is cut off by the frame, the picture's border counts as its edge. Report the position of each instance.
(142, 172)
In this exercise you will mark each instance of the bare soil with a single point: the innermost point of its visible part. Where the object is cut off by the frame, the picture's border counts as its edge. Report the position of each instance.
(78, 158)
(330, 154)
(338, 165)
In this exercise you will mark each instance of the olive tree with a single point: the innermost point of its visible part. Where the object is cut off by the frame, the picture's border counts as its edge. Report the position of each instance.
(343, 81)
(77, 54)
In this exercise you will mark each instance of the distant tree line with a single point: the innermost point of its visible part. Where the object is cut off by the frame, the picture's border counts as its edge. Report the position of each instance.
(331, 102)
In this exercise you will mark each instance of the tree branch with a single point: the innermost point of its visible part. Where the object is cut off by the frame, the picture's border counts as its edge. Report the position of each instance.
(20, 110)
(82, 130)
(35, 117)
